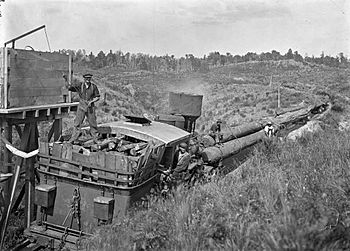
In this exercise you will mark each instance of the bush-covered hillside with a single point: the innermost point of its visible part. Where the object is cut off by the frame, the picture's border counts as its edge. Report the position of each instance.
(288, 196)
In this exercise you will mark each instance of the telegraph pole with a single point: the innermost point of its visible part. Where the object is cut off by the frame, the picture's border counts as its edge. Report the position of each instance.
(279, 96)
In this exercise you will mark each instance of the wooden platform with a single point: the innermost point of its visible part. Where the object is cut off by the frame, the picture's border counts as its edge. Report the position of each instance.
(39, 112)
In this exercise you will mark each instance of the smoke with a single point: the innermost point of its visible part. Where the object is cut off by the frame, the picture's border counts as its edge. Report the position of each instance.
(195, 86)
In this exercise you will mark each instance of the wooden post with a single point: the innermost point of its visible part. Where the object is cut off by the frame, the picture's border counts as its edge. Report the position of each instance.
(7, 158)
(2, 77)
(279, 96)
(70, 76)
(5, 77)
(30, 143)
(55, 130)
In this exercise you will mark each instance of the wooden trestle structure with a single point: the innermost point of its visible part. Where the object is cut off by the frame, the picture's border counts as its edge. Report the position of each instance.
(24, 122)
(32, 91)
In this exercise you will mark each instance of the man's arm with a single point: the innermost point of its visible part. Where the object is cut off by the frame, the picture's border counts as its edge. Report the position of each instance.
(96, 96)
(93, 100)
(73, 86)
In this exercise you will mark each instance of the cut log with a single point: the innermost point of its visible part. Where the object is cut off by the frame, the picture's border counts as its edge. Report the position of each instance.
(234, 133)
(214, 154)
(138, 146)
(241, 131)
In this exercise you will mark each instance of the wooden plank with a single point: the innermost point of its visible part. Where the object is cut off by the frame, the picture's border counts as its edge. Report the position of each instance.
(36, 107)
(77, 172)
(30, 101)
(38, 55)
(23, 73)
(28, 83)
(81, 158)
(110, 164)
(44, 149)
(57, 150)
(18, 92)
(35, 65)
(66, 154)
(101, 161)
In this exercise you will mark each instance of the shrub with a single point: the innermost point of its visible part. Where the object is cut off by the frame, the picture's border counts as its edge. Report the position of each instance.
(337, 108)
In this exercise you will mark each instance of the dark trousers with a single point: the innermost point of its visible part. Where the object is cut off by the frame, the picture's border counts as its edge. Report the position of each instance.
(79, 119)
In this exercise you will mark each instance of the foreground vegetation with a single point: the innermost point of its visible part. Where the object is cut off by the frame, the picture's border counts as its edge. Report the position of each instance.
(288, 196)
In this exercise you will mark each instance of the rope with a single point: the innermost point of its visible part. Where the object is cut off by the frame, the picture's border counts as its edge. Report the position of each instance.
(47, 39)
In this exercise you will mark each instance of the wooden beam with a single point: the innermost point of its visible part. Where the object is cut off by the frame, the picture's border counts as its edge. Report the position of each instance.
(7, 158)
(2, 78)
(5, 70)
(19, 198)
(50, 134)
(57, 124)
(70, 70)
(30, 137)
(39, 119)
(19, 130)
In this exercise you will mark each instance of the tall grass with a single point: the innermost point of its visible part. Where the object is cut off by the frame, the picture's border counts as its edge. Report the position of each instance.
(288, 196)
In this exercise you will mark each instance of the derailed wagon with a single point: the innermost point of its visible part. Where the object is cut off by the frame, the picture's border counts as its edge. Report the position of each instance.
(82, 189)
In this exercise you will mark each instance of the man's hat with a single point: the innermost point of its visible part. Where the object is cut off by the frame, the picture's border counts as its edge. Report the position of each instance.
(219, 121)
(87, 75)
(183, 145)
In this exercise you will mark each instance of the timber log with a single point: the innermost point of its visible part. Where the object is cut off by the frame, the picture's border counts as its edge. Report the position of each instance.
(215, 153)
(234, 133)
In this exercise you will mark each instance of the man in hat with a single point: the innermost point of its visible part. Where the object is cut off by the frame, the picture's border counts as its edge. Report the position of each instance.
(181, 162)
(215, 131)
(269, 129)
(88, 95)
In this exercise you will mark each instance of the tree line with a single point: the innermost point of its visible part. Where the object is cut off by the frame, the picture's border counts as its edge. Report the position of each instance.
(140, 61)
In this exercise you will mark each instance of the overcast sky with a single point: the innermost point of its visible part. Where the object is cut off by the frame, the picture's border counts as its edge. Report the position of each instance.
(181, 27)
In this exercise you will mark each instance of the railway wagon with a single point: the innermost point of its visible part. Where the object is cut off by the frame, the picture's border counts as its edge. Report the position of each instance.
(80, 190)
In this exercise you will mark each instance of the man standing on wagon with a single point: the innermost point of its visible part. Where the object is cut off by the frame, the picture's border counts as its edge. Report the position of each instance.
(88, 95)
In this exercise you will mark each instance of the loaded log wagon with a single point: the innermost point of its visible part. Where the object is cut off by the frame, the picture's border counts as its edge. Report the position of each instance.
(80, 189)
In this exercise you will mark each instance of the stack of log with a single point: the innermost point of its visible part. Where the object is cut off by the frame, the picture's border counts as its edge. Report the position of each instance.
(238, 140)
(241, 137)
(117, 144)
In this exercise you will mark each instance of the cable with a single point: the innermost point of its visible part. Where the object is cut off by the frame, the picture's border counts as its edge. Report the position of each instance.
(47, 39)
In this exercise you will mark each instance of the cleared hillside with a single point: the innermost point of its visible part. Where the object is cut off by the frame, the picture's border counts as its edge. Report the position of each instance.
(236, 93)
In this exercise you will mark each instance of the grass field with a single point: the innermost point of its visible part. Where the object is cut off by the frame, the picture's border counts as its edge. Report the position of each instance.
(289, 196)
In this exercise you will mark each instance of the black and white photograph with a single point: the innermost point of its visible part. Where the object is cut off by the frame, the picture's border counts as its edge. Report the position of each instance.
(175, 125)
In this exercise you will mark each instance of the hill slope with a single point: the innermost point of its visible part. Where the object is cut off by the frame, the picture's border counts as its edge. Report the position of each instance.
(236, 93)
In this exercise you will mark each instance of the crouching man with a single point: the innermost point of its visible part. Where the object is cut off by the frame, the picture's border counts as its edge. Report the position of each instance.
(88, 95)
(181, 162)
(269, 130)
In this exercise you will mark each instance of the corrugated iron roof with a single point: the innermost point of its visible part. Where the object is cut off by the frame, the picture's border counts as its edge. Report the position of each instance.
(155, 131)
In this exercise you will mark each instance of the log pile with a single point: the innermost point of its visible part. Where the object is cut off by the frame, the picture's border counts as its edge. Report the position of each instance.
(241, 137)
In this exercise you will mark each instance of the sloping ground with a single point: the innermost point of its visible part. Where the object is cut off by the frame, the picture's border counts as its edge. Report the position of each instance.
(236, 93)
(248, 91)
(289, 196)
